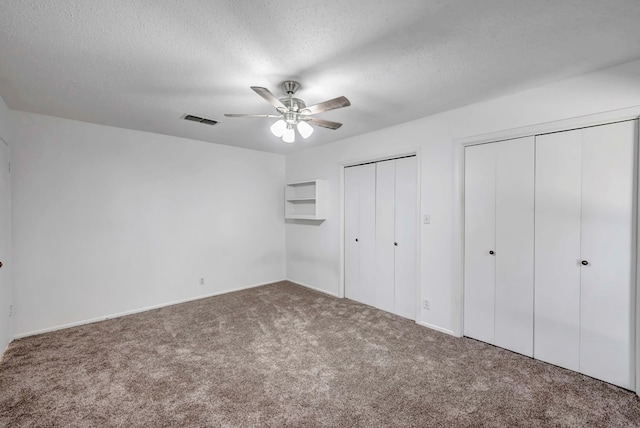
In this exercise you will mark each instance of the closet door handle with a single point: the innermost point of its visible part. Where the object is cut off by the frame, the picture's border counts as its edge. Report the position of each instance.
(584, 262)
(491, 252)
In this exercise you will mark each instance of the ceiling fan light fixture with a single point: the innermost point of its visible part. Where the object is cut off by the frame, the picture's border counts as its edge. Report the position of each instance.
(289, 135)
(278, 128)
(294, 113)
(305, 129)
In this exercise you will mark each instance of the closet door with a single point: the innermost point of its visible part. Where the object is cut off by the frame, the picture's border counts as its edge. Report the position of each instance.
(5, 246)
(360, 206)
(607, 248)
(514, 219)
(557, 248)
(479, 232)
(385, 235)
(406, 235)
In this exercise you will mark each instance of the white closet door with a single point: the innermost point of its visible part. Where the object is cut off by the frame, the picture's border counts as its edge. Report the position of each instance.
(479, 232)
(5, 245)
(406, 236)
(608, 154)
(359, 218)
(557, 248)
(514, 245)
(385, 235)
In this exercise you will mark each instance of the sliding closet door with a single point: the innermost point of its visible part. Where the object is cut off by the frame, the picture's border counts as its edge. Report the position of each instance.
(557, 248)
(479, 244)
(385, 235)
(406, 236)
(359, 218)
(514, 219)
(607, 249)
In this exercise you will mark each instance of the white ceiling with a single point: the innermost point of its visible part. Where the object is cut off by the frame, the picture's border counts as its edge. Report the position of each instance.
(143, 64)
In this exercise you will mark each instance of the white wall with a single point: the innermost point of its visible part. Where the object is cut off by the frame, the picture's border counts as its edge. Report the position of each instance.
(5, 272)
(109, 220)
(313, 251)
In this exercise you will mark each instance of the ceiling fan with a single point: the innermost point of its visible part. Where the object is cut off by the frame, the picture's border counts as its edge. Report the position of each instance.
(294, 113)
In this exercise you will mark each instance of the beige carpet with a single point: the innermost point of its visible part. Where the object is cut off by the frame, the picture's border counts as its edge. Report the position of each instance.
(284, 356)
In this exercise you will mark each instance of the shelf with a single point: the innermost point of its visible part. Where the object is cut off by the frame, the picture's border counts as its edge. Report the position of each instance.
(305, 200)
(303, 217)
(301, 200)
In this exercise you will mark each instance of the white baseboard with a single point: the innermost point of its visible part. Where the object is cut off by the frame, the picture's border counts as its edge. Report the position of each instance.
(5, 350)
(436, 328)
(319, 290)
(135, 311)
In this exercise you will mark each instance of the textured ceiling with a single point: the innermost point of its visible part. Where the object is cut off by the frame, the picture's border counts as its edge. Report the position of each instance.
(143, 64)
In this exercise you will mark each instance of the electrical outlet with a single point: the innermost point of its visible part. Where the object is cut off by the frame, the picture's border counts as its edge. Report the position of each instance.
(201, 281)
(427, 219)
(426, 304)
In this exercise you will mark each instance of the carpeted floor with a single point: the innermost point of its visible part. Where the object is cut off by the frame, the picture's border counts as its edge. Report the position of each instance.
(282, 355)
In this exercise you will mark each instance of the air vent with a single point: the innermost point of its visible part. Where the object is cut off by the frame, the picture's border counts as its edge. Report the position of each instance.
(199, 119)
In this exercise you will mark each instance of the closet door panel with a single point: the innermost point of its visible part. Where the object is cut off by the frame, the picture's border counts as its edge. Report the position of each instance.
(351, 219)
(557, 248)
(514, 245)
(406, 236)
(360, 224)
(608, 154)
(479, 231)
(385, 235)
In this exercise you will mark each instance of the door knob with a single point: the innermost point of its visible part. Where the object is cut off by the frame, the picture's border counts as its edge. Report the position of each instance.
(584, 263)
(395, 243)
(356, 239)
(0, 264)
(491, 252)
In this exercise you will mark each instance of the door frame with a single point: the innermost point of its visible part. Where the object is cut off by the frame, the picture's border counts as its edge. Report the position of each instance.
(372, 159)
(631, 113)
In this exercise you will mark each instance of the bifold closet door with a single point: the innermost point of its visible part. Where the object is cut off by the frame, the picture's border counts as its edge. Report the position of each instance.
(514, 244)
(360, 228)
(607, 245)
(381, 235)
(584, 250)
(385, 235)
(479, 241)
(557, 248)
(396, 229)
(406, 236)
(499, 210)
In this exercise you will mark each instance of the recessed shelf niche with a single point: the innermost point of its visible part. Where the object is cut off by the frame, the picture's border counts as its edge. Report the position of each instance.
(305, 200)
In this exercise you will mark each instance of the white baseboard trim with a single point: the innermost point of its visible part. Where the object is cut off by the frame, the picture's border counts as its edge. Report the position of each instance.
(436, 328)
(5, 349)
(319, 290)
(136, 311)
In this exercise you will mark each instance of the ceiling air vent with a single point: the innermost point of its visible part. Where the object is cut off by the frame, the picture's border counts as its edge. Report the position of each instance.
(199, 119)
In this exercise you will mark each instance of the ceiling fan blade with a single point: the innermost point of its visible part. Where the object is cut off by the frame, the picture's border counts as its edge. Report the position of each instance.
(327, 105)
(263, 116)
(271, 99)
(324, 123)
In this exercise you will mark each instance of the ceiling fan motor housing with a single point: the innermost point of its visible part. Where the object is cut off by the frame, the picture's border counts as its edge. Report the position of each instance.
(294, 106)
(290, 87)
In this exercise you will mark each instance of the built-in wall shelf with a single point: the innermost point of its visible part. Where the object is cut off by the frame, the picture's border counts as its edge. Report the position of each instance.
(305, 200)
